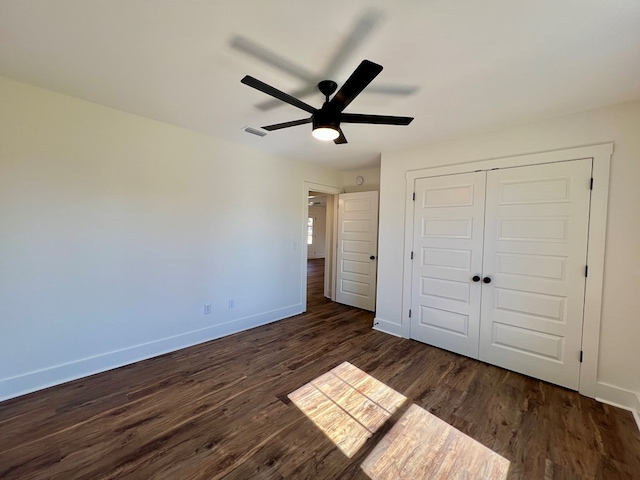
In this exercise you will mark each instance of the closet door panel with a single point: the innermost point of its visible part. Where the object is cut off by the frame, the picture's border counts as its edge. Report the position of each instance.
(448, 231)
(535, 245)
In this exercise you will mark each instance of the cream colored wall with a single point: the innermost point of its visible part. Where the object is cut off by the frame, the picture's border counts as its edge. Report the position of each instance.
(620, 333)
(115, 230)
(371, 180)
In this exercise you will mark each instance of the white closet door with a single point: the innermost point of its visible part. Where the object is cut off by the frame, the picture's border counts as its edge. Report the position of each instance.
(447, 243)
(536, 227)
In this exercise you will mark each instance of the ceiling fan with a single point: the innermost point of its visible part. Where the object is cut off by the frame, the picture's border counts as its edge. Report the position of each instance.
(327, 119)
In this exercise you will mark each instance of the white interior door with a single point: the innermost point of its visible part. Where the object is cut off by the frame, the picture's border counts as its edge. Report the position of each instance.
(535, 248)
(357, 249)
(447, 243)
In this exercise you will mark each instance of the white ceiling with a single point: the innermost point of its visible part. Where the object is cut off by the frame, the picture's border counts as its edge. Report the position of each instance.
(479, 64)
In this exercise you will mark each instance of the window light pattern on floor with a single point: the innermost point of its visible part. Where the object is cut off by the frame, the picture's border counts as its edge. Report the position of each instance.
(421, 446)
(348, 405)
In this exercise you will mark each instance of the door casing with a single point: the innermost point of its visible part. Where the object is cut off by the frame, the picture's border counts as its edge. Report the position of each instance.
(601, 155)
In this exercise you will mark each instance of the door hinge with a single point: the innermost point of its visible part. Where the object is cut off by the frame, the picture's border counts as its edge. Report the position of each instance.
(414, 196)
(581, 356)
(591, 184)
(409, 313)
(411, 255)
(586, 270)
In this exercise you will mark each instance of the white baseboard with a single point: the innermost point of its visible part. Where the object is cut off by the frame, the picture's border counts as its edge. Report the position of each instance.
(40, 379)
(386, 326)
(621, 398)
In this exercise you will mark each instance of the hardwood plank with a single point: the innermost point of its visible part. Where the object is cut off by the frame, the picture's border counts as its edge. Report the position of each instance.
(364, 410)
(420, 445)
(341, 428)
(220, 410)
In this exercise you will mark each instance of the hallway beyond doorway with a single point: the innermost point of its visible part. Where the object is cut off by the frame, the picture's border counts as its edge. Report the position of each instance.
(315, 283)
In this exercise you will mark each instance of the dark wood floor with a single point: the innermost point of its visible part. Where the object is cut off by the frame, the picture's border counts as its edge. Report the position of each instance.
(220, 410)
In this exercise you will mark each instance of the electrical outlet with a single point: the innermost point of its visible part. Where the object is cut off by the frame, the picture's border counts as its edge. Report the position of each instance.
(207, 308)
(232, 303)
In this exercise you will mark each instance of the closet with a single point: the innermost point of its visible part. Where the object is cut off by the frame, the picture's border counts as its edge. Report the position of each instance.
(499, 266)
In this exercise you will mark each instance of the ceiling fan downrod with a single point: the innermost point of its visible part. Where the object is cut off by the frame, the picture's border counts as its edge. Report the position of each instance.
(327, 87)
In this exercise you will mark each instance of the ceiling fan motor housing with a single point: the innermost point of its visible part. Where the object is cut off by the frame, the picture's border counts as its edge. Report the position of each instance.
(326, 117)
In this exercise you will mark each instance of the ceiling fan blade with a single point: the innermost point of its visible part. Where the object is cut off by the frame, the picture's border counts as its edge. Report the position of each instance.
(341, 138)
(375, 119)
(359, 79)
(362, 28)
(293, 123)
(257, 51)
(274, 92)
(273, 103)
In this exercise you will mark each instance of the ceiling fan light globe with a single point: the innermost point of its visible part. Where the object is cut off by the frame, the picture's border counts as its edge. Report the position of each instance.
(325, 134)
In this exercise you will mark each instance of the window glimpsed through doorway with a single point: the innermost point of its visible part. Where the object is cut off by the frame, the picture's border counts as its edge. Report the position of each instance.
(310, 222)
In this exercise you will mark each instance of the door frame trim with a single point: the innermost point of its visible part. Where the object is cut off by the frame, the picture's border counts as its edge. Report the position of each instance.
(329, 247)
(601, 155)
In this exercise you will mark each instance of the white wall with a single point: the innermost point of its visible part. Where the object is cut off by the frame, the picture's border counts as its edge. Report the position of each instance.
(318, 248)
(116, 229)
(371, 181)
(619, 355)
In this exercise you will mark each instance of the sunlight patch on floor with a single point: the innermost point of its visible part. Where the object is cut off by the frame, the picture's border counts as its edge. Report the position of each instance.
(348, 405)
(421, 446)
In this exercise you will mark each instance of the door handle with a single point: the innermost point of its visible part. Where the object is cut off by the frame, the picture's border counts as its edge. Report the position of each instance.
(372, 257)
(486, 279)
(476, 278)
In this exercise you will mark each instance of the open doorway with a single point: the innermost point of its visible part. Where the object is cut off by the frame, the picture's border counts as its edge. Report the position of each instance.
(317, 243)
(317, 226)
(320, 216)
